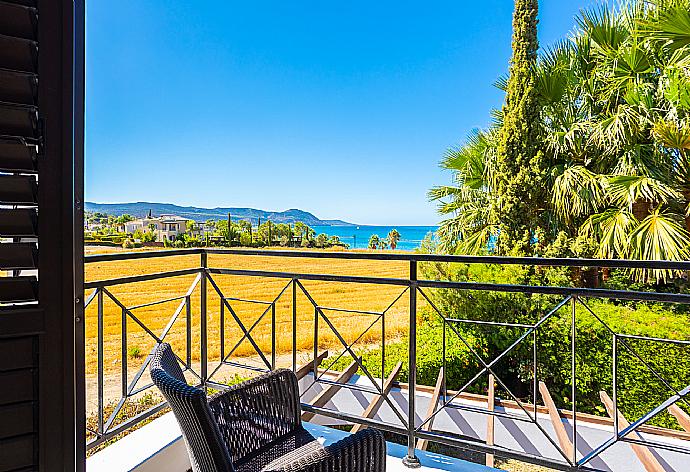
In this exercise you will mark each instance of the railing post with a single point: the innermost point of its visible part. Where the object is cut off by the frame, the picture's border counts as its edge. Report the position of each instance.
(222, 329)
(101, 370)
(616, 426)
(316, 343)
(273, 336)
(204, 318)
(573, 360)
(294, 325)
(188, 315)
(124, 352)
(411, 459)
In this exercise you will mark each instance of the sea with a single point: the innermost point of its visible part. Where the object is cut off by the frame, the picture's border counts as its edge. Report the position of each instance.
(358, 236)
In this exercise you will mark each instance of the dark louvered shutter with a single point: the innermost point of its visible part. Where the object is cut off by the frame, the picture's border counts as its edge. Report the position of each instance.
(39, 177)
(20, 147)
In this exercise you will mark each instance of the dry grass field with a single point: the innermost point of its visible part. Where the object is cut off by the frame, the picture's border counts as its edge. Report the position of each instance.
(369, 297)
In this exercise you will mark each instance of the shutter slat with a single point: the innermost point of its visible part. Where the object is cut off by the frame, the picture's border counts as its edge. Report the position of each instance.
(26, 3)
(18, 119)
(17, 157)
(18, 289)
(16, 420)
(18, 223)
(17, 453)
(17, 20)
(18, 87)
(16, 354)
(18, 54)
(17, 256)
(22, 382)
(18, 189)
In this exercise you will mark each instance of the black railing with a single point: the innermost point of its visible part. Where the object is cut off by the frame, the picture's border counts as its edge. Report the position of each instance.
(411, 287)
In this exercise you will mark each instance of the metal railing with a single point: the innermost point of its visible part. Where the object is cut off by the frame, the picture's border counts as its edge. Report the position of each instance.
(411, 287)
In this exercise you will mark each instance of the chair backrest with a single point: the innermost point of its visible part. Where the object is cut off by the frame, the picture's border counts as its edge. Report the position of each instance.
(207, 451)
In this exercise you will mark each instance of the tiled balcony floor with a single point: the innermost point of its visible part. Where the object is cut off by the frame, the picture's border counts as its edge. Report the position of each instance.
(396, 452)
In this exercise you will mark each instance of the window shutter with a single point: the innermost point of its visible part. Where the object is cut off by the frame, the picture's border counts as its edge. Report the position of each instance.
(20, 149)
(41, 213)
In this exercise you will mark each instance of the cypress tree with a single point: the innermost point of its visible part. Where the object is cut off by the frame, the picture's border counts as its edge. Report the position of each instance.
(520, 159)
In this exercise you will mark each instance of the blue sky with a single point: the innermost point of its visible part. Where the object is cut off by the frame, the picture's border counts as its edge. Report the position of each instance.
(339, 108)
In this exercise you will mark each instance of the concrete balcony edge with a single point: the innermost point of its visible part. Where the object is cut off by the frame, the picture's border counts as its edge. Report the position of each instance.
(158, 446)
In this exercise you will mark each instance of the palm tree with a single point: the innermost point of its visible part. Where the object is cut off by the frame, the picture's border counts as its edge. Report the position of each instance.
(615, 106)
(622, 139)
(374, 241)
(470, 224)
(393, 238)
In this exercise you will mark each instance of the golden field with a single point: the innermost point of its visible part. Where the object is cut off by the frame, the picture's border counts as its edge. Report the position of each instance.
(369, 297)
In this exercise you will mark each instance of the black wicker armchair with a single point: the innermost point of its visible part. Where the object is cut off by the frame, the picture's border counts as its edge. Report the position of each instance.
(256, 426)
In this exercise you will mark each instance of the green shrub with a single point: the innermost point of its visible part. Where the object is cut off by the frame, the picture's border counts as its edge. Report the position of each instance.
(245, 239)
(461, 365)
(321, 240)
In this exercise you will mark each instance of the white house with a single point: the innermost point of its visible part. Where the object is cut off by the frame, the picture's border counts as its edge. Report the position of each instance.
(166, 227)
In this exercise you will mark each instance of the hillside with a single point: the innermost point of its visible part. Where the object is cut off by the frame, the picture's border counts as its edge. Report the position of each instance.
(141, 209)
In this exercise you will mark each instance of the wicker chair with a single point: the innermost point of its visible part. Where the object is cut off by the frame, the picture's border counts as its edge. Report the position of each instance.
(256, 426)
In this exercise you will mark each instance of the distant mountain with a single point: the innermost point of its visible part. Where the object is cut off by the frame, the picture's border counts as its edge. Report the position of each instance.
(141, 209)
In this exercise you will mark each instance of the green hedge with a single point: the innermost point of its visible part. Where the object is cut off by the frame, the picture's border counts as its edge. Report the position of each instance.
(98, 242)
(429, 358)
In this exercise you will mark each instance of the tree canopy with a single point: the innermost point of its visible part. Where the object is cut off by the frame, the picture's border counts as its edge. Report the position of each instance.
(599, 153)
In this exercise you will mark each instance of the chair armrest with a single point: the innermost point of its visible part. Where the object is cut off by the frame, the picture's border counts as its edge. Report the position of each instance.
(364, 451)
(256, 412)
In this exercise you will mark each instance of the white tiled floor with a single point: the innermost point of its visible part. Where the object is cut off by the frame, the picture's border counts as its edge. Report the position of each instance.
(430, 462)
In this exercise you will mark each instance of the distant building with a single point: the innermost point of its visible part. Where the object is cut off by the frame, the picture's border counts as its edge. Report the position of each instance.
(166, 227)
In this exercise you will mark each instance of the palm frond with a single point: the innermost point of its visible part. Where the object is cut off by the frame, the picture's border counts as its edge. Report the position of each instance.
(626, 190)
(673, 134)
(677, 88)
(449, 233)
(478, 242)
(577, 192)
(502, 83)
(611, 228)
(442, 191)
(660, 236)
(616, 130)
(497, 117)
(640, 158)
(554, 72)
(669, 26)
(603, 28)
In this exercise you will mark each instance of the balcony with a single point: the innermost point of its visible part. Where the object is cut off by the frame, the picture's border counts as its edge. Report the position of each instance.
(231, 314)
